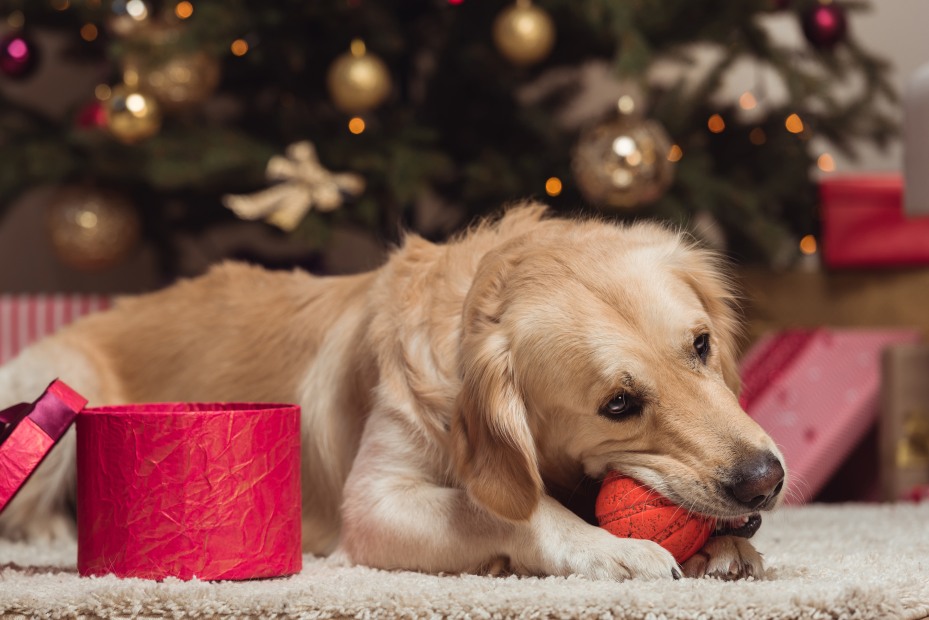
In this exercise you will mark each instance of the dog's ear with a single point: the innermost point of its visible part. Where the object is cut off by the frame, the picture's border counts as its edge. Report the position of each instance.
(706, 273)
(494, 449)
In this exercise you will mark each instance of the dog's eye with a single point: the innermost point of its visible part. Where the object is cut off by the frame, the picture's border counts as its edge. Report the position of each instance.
(620, 407)
(702, 346)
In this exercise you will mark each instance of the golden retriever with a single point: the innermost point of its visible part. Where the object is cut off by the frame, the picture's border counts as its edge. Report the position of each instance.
(451, 397)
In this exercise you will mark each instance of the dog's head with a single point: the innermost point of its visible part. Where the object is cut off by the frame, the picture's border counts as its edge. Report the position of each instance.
(588, 347)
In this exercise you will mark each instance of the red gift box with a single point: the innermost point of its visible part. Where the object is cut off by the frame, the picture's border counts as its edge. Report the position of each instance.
(208, 491)
(816, 393)
(24, 319)
(864, 224)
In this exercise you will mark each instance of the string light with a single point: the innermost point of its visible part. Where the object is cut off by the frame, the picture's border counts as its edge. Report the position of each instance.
(89, 32)
(135, 103)
(794, 124)
(808, 245)
(716, 123)
(826, 163)
(757, 136)
(137, 10)
(356, 125)
(61, 5)
(553, 186)
(626, 104)
(184, 9)
(102, 92)
(675, 153)
(747, 101)
(15, 20)
(239, 47)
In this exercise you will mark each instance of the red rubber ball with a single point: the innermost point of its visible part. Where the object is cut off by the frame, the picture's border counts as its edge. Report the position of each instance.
(627, 509)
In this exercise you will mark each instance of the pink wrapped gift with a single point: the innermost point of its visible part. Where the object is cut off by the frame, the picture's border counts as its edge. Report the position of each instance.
(207, 491)
(28, 432)
(816, 394)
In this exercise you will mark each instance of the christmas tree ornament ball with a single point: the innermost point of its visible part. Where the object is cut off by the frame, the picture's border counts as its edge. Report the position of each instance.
(623, 163)
(824, 25)
(181, 80)
(132, 115)
(91, 229)
(358, 80)
(19, 56)
(627, 509)
(524, 33)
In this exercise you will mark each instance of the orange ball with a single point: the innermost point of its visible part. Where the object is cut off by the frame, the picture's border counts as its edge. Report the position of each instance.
(627, 509)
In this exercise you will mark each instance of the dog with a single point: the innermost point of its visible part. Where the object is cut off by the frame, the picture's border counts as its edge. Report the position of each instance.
(456, 399)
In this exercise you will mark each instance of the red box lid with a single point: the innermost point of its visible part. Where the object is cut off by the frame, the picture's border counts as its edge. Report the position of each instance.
(28, 431)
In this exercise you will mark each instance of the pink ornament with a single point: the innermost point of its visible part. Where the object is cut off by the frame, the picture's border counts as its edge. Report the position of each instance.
(91, 116)
(18, 56)
(825, 25)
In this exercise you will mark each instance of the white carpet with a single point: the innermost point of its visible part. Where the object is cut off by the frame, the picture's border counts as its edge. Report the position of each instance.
(822, 562)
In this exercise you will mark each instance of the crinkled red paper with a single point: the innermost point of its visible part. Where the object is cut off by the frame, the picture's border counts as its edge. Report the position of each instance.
(208, 491)
(20, 454)
(31, 431)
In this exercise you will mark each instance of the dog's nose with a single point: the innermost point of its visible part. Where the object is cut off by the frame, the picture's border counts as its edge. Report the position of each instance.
(757, 481)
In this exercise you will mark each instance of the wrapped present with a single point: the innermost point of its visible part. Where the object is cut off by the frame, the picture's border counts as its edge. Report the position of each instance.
(27, 318)
(29, 431)
(816, 392)
(864, 224)
(208, 491)
(904, 427)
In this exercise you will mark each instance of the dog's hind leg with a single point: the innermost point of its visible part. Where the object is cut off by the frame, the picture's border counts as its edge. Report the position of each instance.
(43, 508)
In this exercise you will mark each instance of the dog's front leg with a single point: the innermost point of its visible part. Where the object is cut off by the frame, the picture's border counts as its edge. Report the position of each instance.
(395, 516)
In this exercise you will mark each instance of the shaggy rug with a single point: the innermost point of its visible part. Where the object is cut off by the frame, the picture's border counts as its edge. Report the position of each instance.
(850, 561)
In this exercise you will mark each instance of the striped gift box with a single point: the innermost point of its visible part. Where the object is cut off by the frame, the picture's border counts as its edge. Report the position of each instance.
(27, 318)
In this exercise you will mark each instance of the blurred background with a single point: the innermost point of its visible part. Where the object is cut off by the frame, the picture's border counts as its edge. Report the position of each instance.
(144, 140)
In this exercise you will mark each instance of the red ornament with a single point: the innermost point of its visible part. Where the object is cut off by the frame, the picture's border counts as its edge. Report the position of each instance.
(919, 493)
(780, 5)
(91, 116)
(629, 510)
(824, 25)
(19, 56)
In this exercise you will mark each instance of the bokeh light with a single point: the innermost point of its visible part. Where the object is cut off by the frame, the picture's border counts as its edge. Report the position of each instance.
(553, 186)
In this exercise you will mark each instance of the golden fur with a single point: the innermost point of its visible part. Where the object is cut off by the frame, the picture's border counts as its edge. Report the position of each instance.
(450, 394)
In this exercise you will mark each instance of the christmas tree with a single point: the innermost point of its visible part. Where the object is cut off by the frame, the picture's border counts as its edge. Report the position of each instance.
(432, 112)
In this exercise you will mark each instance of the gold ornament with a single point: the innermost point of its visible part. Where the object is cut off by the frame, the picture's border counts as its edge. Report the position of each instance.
(91, 229)
(623, 163)
(128, 18)
(524, 33)
(358, 81)
(306, 184)
(179, 81)
(132, 115)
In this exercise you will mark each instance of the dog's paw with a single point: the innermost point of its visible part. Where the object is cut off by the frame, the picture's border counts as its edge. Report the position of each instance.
(608, 557)
(725, 557)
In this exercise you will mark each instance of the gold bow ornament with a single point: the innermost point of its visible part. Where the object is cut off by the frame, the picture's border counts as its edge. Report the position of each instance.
(304, 184)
